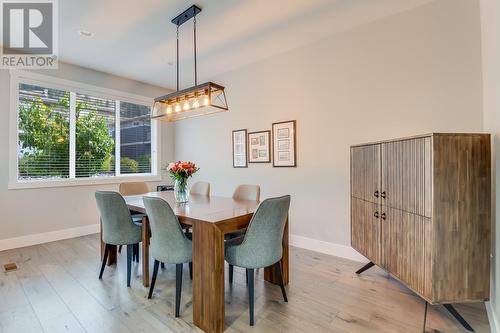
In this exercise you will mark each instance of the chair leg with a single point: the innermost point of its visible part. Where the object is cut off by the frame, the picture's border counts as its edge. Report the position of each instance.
(280, 279)
(130, 250)
(231, 272)
(136, 250)
(104, 259)
(191, 270)
(250, 277)
(162, 265)
(120, 248)
(178, 288)
(153, 279)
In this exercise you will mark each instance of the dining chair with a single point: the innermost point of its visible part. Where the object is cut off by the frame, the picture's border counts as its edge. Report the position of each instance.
(168, 243)
(118, 227)
(243, 192)
(134, 188)
(201, 188)
(261, 246)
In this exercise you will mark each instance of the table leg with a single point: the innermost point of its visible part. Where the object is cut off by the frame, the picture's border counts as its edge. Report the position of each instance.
(145, 251)
(208, 277)
(112, 251)
(270, 273)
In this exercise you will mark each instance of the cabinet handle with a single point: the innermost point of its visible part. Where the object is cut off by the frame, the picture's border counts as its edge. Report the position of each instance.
(376, 215)
(383, 195)
(383, 216)
(376, 194)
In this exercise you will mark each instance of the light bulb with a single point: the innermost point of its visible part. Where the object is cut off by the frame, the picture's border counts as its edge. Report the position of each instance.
(206, 101)
(196, 103)
(186, 105)
(177, 107)
(169, 109)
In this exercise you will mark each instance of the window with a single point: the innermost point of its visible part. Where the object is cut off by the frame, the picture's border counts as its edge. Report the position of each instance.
(73, 135)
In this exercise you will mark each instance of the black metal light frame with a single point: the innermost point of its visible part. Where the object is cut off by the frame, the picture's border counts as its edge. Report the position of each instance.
(212, 95)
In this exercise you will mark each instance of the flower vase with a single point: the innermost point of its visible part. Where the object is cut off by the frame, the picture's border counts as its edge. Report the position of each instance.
(181, 190)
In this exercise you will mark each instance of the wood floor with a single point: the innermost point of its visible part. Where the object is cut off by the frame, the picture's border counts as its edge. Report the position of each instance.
(56, 289)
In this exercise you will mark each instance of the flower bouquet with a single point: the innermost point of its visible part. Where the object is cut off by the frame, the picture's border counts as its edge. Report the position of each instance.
(180, 172)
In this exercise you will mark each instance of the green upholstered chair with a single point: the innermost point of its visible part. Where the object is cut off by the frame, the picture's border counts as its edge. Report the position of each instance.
(168, 243)
(117, 226)
(261, 246)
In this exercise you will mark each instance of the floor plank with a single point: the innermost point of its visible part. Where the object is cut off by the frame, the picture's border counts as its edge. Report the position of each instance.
(56, 289)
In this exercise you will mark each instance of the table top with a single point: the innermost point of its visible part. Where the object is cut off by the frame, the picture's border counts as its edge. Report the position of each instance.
(200, 208)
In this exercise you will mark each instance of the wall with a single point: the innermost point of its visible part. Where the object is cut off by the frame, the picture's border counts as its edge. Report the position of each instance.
(490, 27)
(52, 211)
(415, 72)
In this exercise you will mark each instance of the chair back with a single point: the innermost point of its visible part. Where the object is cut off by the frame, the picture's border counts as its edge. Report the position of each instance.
(117, 225)
(201, 188)
(168, 242)
(247, 192)
(264, 236)
(133, 188)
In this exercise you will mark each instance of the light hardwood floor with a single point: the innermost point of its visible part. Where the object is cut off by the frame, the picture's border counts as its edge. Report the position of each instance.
(56, 289)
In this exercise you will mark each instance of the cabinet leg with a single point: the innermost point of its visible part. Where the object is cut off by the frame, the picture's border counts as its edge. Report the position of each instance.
(458, 317)
(365, 267)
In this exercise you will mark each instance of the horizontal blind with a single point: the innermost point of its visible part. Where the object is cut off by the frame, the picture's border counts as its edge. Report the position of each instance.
(95, 139)
(135, 138)
(43, 133)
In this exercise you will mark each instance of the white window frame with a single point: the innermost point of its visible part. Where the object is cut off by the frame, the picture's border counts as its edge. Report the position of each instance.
(17, 77)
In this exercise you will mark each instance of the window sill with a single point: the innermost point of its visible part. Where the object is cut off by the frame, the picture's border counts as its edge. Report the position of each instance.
(32, 184)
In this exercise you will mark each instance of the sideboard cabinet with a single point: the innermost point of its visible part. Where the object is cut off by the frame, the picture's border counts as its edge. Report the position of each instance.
(421, 210)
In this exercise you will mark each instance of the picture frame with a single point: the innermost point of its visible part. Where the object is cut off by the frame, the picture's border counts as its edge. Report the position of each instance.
(259, 150)
(284, 144)
(240, 148)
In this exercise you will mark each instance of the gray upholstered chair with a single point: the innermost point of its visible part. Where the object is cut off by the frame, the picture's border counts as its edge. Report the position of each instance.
(201, 188)
(261, 246)
(117, 226)
(168, 243)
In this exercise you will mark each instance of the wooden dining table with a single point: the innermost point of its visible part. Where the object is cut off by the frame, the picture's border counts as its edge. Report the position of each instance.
(210, 219)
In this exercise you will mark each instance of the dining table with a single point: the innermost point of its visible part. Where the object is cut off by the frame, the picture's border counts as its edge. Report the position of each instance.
(210, 218)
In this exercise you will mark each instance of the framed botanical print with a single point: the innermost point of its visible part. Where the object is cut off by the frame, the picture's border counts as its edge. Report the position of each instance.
(240, 155)
(284, 144)
(259, 147)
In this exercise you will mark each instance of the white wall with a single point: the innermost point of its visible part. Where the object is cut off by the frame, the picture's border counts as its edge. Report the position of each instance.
(490, 30)
(34, 211)
(416, 72)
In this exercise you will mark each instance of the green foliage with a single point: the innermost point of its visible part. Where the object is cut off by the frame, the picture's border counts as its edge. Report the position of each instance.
(128, 165)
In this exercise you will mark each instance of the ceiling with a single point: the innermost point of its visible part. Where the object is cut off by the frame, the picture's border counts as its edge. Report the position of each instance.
(135, 39)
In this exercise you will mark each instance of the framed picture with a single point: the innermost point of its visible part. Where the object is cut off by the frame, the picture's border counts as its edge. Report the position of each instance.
(240, 156)
(284, 144)
(259, 147)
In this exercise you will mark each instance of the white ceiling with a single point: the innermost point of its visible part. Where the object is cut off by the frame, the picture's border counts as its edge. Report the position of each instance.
(136, 39)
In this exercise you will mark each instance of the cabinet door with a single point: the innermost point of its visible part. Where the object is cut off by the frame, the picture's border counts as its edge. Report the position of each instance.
(406, 175)
(365, 172)
(365, 228)
(406, 248)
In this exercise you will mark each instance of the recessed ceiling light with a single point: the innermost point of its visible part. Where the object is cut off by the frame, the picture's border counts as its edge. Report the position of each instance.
(85, 33)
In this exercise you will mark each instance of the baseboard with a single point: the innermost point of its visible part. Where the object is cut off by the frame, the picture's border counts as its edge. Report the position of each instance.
(45, 237)
(333, 249)
(492, 317)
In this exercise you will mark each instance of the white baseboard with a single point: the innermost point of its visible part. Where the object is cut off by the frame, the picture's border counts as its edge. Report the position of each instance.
(333, 249)
(45, 237)
(492, 317)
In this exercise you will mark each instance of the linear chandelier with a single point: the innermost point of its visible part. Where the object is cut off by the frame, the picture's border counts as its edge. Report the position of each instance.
(198, 100)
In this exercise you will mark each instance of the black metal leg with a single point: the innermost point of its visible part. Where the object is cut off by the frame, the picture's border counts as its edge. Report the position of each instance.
(231, 271)
(365, 267)
(280, 280)
(129, 262)
(425, 316)
(120, 248)
(162, 265)
(191, 270)
(136, 252)
(153, 279)
(250, 277)
(104, 259)
(458, 317)
(178, 288)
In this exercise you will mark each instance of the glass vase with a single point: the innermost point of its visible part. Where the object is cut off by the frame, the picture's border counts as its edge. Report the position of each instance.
(181, 190)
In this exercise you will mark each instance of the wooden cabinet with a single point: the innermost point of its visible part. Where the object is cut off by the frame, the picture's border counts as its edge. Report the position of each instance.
(421, 210)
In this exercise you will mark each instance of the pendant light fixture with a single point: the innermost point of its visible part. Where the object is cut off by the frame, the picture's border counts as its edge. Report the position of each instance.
(198, 100)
